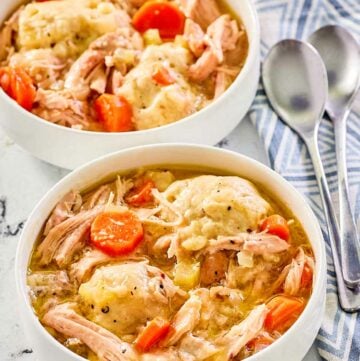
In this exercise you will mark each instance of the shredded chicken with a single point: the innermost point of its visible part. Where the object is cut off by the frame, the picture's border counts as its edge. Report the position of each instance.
(52, 283)
(73, 243)
(185, 320)
(97, 198)
(221, 36)
(82, 269)
(239, 335)
(257, 243)
(66, 207)
(292, 282)
(122, 187)
(50, 245)
(103, 343)
(44, 67)
(80, 72)
(64, 108)
(195, 37)
(148, 216)
(203, 12)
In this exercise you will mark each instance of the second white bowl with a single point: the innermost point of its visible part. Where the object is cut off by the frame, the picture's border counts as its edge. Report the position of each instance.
(69, 148)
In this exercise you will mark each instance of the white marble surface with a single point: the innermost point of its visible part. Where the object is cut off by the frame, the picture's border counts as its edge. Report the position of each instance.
(23, 181)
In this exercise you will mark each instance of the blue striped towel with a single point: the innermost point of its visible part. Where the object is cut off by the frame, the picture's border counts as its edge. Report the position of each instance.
(339, 337)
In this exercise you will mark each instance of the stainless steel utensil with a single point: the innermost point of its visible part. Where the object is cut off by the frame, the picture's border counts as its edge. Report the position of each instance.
(341, 55)
(295, 81)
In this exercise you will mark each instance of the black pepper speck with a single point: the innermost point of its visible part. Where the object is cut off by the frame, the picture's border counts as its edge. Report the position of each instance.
(105, 309)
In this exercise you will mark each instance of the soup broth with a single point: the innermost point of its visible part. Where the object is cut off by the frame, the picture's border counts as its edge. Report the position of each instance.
(173, 264)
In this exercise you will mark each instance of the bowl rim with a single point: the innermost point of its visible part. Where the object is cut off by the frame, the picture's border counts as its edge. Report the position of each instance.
(251, 59)
(321, 266)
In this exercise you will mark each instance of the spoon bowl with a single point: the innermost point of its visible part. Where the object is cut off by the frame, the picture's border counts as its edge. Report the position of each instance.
(296, 91)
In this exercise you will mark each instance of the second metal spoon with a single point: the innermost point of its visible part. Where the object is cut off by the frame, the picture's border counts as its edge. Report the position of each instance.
(341, 55)
(295, 81)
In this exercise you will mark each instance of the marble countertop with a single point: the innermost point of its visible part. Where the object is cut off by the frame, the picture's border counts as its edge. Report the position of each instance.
(23, 181)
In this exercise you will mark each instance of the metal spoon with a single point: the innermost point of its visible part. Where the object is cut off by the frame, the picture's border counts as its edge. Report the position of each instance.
(341, 55)
(295, 81)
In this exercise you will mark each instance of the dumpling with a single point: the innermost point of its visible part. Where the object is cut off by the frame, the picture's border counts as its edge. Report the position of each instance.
(214, 206)
(67, 26)
(122, 297)
(153, 104)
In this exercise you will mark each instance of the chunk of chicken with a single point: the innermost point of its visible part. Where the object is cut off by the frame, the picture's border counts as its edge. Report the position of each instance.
(72, 244)
(49, 283)
(57, 235)
(129, 293)
(66, 207)
(184, 321)
(222, 36)
(64, 108)
(98, 79)
(79, 73)
(256, 243)
(292, 282)
(7, 32)
(103, 343)
(82, 269)
(239, 335)
(195, 37)
(99, 196)
(203, 12)
(41, 64)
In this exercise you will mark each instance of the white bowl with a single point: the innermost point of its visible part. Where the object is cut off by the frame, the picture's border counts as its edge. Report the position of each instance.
(69, 148)
(291, 346)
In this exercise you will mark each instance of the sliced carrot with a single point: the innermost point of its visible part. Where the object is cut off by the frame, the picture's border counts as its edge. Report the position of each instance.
(162, 76)
(141, 194)
(283, 312)
(17, 83)
(154, 332)
(307, 276)
(114, 112)
(276, 225)
(161, 15)
(116, 233)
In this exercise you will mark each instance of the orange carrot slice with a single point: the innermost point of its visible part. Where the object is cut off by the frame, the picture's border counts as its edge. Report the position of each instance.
(18, 84)
(162, 76)
(154, 331)
(114, 112)
(283, 312)
(116, 233)
(277, 226)
(161, 15)
(141, 194)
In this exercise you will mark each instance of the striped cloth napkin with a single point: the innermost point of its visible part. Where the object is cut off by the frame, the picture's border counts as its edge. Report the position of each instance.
(339, 336)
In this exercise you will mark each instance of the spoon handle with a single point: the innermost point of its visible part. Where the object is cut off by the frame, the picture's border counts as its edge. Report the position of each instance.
(346, 296)
(349, 244)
